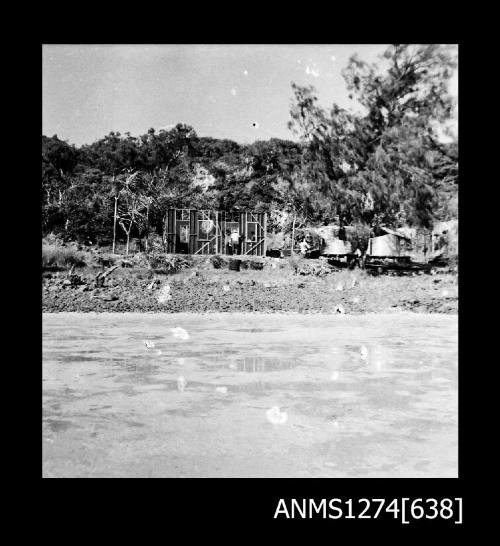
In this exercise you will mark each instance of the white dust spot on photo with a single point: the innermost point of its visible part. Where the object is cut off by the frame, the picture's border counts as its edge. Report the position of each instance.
(179, 333)
(445, 293)
(158, 352)
(363, 352)
(221, 390)
(275, 416)
(226, 288)
(245, 72)
(355, 300)
(233, 366)
(164, 294)
(181, 383)
(233, 92)
(148, 344)
(339, 287)
(299, 61)
(312, 71)
(333, 58)
(334, 376)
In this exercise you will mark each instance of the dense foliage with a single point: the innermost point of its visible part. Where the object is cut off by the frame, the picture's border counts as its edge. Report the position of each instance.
(386, 164)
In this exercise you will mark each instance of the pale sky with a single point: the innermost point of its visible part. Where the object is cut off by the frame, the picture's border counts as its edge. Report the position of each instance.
(240, 92)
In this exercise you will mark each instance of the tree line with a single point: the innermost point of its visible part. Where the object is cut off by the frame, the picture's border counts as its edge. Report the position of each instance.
(384, 164)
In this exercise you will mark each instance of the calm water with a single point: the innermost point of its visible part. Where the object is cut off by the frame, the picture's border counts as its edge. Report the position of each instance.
(363, 396)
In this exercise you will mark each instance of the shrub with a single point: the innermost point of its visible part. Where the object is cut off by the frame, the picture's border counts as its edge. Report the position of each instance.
(55, 256)
(170, 263)
(106, 260)
(52, 239)
(217, 262)
(140, 259)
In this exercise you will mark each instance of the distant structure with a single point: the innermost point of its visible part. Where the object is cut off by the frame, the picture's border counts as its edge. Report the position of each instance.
(389, 244)
(216, 232)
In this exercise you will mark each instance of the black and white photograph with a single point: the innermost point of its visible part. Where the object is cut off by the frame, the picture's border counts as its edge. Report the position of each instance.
(249, 260)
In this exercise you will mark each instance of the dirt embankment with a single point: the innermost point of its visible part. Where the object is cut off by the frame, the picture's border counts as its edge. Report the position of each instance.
(246, 291)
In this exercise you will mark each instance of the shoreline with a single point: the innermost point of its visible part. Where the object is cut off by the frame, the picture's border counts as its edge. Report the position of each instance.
(355, 293)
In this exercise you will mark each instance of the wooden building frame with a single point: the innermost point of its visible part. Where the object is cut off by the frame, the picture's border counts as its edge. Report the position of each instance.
(206, 231)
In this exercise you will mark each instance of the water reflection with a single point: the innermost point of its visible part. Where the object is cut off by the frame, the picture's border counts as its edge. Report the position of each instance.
(252, 364)
(378, 358)
(373, 358)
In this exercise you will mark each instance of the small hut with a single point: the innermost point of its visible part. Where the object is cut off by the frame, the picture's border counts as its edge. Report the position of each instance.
(390, 244)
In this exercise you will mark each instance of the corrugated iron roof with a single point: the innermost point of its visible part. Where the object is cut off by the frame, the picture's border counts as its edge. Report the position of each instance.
(396, 233)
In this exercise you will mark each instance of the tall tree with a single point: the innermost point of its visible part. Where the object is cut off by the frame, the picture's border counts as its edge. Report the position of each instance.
(131, 204)
(382, 162)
